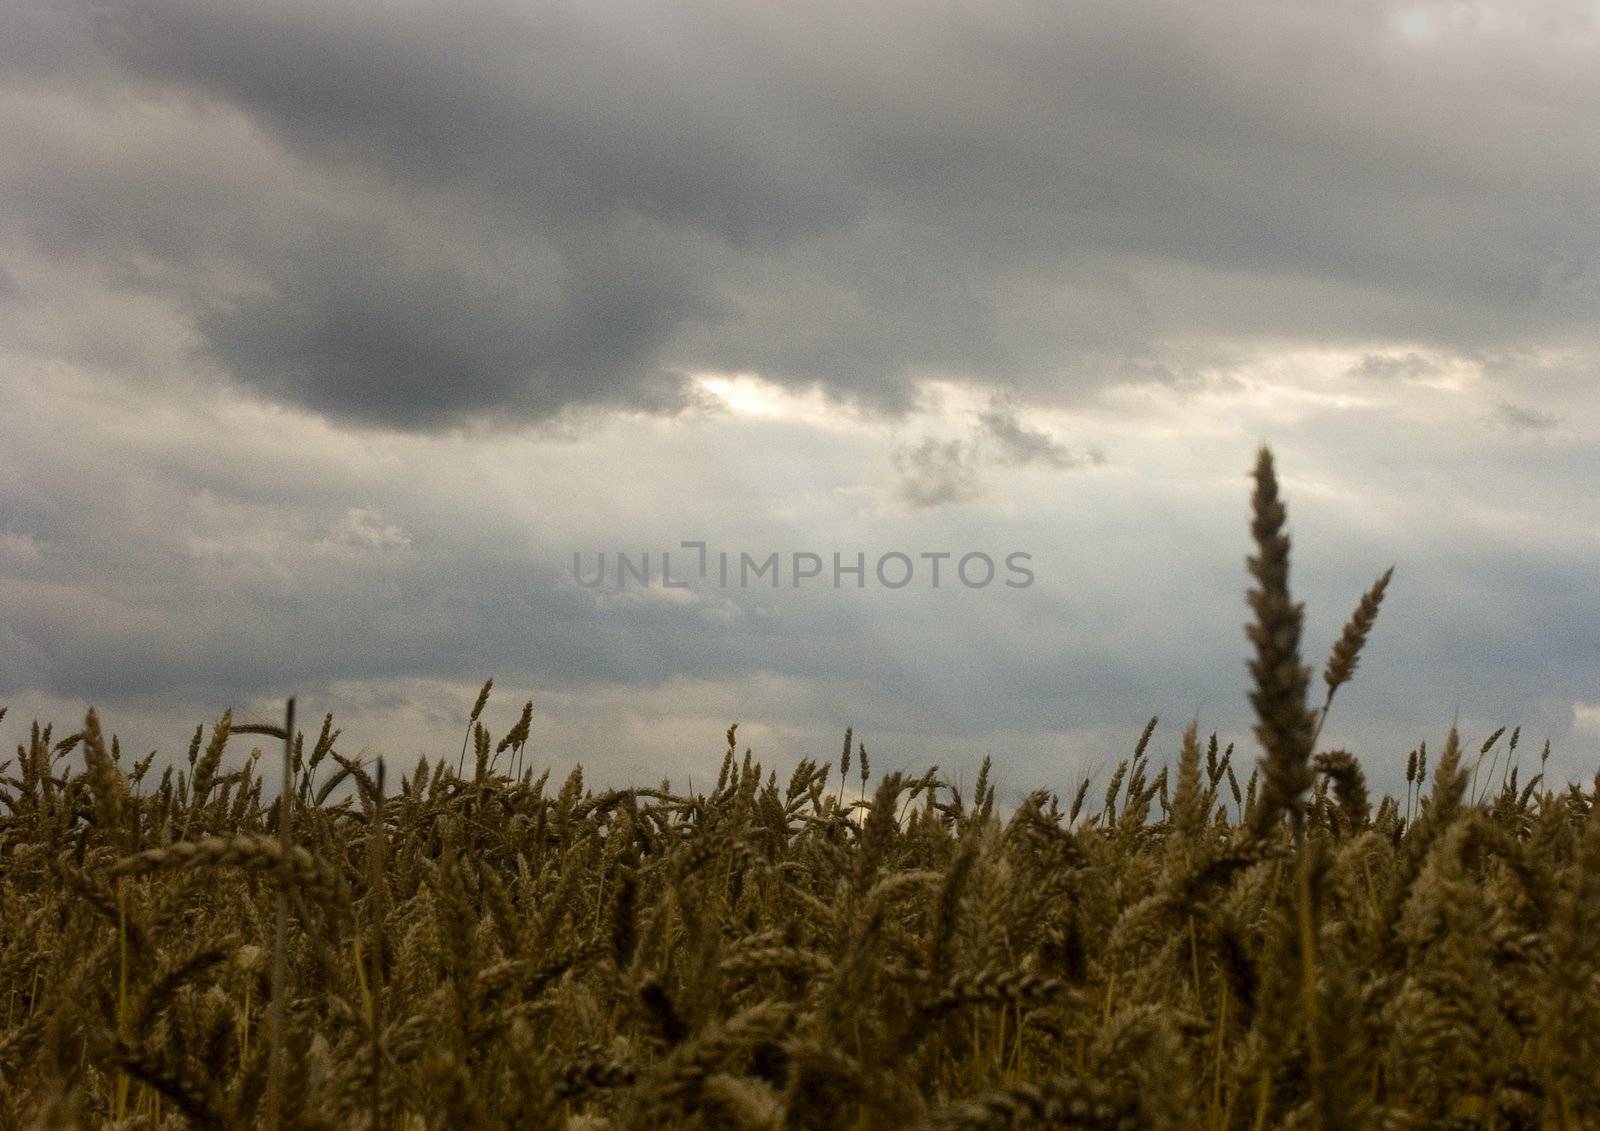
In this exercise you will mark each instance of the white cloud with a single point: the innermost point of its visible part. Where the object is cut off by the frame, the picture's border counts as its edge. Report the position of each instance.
(366, 528)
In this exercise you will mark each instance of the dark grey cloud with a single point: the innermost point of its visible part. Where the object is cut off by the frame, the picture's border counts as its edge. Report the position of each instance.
(1525, 419)
(1017, 444)
(939, 471)
(365, 333)
(494, 211)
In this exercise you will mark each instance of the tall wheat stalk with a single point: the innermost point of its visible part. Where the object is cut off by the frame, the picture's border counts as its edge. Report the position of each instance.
(280, 936)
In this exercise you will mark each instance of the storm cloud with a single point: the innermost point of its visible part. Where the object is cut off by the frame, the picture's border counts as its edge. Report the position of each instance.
(495, 211)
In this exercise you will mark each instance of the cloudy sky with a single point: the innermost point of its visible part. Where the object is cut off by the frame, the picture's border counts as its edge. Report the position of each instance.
(331, 331)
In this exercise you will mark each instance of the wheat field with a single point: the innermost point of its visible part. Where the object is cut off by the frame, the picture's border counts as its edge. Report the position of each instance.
(1208, 944)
